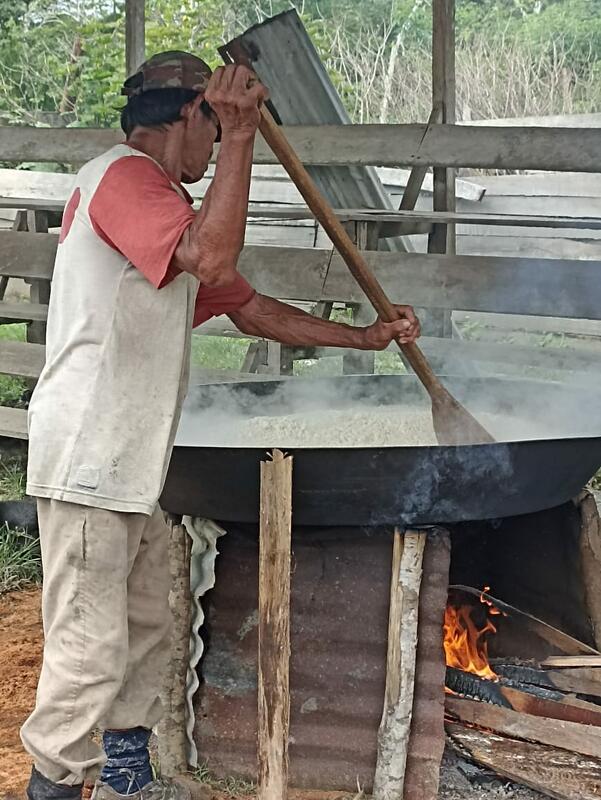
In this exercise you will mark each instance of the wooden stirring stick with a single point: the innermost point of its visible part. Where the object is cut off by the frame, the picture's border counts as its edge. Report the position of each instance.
(453, 424)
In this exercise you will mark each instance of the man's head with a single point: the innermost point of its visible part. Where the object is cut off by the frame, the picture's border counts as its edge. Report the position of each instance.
(166, 95)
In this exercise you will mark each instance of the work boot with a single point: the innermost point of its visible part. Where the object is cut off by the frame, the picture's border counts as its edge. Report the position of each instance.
(41, 788)
(155, 790)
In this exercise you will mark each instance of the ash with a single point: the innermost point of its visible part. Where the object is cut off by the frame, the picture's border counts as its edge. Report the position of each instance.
(462, 780)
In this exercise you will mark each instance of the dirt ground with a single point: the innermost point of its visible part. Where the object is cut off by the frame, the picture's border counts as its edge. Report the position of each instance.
(20, 659)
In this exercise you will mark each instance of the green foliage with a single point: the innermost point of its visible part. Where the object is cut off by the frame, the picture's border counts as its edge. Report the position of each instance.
(20, 560)
(62, 62)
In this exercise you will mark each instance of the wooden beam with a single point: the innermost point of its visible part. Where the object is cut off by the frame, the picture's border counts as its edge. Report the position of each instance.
(135, 45)
(393, 736)
(274, 626)
(553, 772)
(552, 149)
(572, 736)
(563, 662)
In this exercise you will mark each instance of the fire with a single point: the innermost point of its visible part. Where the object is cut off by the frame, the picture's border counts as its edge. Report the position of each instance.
(465, 645)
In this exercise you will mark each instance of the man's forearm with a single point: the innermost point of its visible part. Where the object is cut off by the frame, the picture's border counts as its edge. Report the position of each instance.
(213, 242)
(270, 319)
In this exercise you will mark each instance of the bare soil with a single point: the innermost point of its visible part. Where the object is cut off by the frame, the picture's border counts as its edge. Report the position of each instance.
(21, 641)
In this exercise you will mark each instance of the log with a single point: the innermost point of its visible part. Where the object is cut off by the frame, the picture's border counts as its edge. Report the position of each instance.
(427, 737)
(561, 662)
(590, 558)
(554, 772)
(572, 736)
(274, 627)
(393, 736)
(173, 742)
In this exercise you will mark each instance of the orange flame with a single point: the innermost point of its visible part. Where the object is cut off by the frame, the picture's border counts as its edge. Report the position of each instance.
(465, 645)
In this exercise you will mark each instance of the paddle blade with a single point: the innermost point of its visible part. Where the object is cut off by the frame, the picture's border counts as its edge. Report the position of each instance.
(453, 424)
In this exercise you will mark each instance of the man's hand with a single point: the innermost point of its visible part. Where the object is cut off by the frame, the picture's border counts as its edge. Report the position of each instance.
(404, 330)
(235, 95)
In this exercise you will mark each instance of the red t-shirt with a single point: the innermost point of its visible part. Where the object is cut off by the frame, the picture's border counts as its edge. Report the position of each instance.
(138, 211)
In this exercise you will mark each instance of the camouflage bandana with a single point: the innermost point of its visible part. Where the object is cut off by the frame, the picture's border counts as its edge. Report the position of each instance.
(173, 69)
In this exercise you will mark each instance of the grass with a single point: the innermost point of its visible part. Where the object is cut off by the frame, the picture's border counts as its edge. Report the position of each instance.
(12, 389)
(20, 560)
(231, 787)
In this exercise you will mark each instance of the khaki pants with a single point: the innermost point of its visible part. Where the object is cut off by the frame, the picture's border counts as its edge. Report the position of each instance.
(107, 631)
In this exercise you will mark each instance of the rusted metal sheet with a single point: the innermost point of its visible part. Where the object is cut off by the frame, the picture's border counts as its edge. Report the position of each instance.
(340, 596)
(427, 740)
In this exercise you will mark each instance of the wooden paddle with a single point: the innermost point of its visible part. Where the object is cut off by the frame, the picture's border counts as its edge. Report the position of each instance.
(453, 424)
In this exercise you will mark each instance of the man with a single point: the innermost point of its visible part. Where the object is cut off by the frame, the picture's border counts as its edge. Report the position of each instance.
(136, 269)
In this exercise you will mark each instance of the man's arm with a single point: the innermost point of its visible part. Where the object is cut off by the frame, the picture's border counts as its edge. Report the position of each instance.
(211, 245)
(271, 319)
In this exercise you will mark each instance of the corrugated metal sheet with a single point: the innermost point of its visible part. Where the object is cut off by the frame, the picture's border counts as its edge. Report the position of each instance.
(285, 59)
(340, 597)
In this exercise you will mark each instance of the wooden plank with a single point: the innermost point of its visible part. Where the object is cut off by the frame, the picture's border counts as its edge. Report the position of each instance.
(37, 204)
(39, 290)
(478, 283)
(410, 215)
(13, 423)
(561, 662)
(393, 736)
(21, 358)
(24, 311)
(135, 46)
(427, 737)
(495, 284)
(486, 147)
(581, 680)
(572, 736)
(553, 772)
(526, 703)
(274, 626)
(27, 255)
(532, 324)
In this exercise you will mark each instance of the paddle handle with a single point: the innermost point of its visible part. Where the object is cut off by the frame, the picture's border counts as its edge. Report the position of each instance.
(359, 268)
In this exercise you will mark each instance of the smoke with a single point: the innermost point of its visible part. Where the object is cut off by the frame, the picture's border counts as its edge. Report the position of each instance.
(512, 410)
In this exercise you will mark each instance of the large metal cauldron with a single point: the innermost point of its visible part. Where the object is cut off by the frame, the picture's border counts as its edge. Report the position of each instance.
(389, 485)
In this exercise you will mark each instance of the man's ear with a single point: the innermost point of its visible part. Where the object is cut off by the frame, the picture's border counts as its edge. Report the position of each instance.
(191, 111)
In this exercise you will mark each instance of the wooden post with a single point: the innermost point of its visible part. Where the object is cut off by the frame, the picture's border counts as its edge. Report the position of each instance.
(39, 290)
(357, 362)
(443, 238)
(274, 627)
(393, 736)
(135, 46)
(427, 737)
(173, 744)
